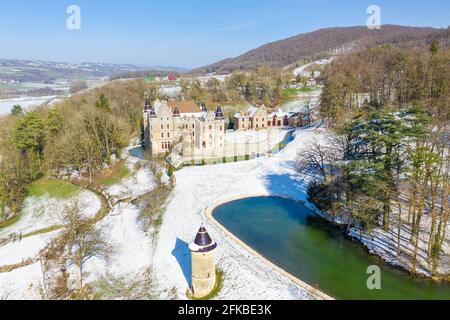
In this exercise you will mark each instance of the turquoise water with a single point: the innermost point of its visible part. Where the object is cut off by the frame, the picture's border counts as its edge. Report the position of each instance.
(292, 237)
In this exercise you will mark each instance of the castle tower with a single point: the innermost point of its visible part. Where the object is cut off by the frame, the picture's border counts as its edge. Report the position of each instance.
(203, 106)
(203, 264)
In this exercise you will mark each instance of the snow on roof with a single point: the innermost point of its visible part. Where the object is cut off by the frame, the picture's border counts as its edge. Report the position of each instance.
(280, 114)
(252, 111)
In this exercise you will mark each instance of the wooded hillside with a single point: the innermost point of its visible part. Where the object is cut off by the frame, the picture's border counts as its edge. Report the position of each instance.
(326, 42)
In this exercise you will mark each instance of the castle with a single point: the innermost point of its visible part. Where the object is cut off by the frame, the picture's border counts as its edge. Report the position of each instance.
(192, 134)
(167, 123)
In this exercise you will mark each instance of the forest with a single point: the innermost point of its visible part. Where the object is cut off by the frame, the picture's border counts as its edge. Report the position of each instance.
(83, 134)
(388, 164)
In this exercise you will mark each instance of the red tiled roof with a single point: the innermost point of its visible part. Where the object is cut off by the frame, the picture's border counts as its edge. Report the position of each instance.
(184, 106)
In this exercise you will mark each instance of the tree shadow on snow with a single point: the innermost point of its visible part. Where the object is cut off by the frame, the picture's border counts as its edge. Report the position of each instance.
(286, 185)
(183, 255)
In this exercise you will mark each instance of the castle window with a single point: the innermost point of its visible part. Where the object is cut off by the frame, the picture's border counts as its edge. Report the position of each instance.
(193, 126)
(162, 135)
(162, 145)
(168, 127)
(162, 127)
(204, 144)
(168, 134)
(210, 127)
(220, 128)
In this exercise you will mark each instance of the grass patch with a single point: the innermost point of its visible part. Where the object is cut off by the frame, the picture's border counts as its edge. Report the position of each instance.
(42, 231)
(53, 188)
(218, 286)
(113, 176)
(290, 93)
(10, 222)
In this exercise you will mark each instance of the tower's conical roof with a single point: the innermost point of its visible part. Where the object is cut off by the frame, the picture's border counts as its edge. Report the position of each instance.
(203, 106)
(202, 242)
(147, 105)
(219, 113)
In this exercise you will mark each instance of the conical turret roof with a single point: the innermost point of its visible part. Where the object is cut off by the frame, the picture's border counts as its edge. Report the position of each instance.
(202, 241)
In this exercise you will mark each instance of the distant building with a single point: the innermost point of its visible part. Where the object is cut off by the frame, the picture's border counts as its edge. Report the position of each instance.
(171, 77)
(253, 119)
(257, 118)
(203, 264)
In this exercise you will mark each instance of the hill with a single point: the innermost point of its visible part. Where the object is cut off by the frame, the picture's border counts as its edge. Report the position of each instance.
(327, 42)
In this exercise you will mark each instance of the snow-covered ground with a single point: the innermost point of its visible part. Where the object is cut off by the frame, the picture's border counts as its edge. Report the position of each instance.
(43, 212)
(130, 243)
(28, 248)
(25, 103)
(303, 69)
(22, 284)
(274, 136)
(246, 276)
(38, 213)
(140, 182)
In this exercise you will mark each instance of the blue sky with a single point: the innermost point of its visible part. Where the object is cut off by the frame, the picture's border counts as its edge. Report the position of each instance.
(184, 33)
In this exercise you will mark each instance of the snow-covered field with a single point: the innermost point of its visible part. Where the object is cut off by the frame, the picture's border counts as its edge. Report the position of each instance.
(27, 248)
(25, 103)
(38, 213)
(246, 276)
(43, 212)
(22, 284)
(274, 136)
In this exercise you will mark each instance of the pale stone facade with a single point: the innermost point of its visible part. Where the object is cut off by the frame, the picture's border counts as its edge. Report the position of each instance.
(168, 123)
(257, 118)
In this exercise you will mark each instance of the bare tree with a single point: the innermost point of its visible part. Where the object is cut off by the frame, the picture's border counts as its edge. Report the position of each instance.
(83, 239)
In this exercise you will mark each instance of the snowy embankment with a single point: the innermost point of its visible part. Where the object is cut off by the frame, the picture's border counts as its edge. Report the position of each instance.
(139, 183)
(123, 230)
(130, 243)
(197, 188)
(16, 247)
(22, 284)
(384, 244)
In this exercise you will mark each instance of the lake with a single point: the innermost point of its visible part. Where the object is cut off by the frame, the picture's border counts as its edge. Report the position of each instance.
(317, 252)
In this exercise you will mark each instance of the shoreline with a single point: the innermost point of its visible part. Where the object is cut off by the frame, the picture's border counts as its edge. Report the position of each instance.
(308, 288)
(311, 290)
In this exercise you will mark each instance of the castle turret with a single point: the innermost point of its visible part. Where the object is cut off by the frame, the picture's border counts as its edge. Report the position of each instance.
(219, 113)
(203, 106)
(147, 105)
(203, 264)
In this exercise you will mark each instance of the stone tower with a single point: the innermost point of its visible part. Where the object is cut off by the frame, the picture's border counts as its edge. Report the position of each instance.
(203, 264)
